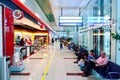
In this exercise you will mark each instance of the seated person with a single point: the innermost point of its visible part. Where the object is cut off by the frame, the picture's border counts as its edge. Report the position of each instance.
(86, 58)
(77, 50)
(91, 55)
(79, 54)
(82, 61)
(102, 60)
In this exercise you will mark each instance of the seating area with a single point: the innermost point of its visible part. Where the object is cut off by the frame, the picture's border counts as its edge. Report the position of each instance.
(110, 71)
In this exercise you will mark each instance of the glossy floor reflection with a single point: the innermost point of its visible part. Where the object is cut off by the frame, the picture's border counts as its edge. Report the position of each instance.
(51, 63)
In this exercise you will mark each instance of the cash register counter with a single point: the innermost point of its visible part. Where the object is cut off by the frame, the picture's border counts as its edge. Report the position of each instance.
(25, 50)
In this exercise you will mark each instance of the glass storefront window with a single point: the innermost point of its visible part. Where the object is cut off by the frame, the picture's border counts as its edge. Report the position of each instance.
(101, 41)
(100, 36)
(107, 42)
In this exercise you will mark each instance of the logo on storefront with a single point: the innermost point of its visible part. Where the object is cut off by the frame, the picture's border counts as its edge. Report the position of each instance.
(17, 14)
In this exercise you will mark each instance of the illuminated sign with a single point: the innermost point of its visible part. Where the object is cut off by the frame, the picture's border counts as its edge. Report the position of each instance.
(70, 21)
(17, 14)
(92, 21)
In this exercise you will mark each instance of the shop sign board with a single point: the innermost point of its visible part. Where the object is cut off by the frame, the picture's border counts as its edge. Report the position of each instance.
(17, 14)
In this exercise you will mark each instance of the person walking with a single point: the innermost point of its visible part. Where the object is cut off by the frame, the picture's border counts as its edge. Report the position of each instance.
(52, 41)
(61, 45)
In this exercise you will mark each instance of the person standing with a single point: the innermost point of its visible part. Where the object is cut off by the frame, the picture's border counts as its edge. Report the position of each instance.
(52, 41)
(22, 42)
(61, 45)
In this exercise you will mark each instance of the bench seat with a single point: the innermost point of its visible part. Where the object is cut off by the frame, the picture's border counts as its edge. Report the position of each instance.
(110, 71)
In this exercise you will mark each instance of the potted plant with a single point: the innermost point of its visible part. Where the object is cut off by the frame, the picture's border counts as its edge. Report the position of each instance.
(116, 36)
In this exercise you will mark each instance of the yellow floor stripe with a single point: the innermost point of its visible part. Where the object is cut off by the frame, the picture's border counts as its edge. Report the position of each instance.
(48, 66)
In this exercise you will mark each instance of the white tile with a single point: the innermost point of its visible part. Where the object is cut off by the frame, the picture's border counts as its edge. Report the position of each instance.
(57, 69)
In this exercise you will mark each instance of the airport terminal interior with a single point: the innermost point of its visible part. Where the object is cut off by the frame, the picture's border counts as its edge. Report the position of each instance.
(59, 40)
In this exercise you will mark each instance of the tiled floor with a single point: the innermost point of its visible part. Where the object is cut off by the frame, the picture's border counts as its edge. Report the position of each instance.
(51, 63)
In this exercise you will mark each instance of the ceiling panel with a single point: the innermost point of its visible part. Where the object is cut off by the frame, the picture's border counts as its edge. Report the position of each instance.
(46, 8)
(70, 3)
(67, 7)
(70, 12)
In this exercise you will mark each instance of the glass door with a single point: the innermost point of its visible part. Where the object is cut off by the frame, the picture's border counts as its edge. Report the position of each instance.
(101, 41)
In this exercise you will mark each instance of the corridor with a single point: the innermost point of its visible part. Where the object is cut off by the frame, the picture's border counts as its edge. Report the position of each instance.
(51, 63)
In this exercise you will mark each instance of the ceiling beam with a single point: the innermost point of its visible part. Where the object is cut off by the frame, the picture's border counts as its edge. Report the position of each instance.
(22, 6)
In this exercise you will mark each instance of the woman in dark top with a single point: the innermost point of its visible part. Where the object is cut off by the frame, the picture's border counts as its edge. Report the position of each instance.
(22, 42)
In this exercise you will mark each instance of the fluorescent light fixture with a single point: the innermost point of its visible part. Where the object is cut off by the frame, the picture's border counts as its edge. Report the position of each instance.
(70, 24)
(70, 18)
(95, 18)
(101, 18)
(70, 21)
(98, 20)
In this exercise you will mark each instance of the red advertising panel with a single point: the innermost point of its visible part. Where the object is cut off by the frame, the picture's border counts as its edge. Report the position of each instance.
(9, 33)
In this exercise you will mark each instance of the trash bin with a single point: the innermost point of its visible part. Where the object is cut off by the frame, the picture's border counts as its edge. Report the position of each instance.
(5, 68)
(8, 67)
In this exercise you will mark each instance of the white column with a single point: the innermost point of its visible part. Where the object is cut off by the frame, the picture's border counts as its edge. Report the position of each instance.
(118, 31)
(113, 29)
(90, 39)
